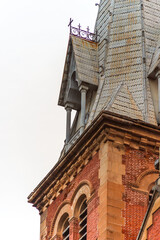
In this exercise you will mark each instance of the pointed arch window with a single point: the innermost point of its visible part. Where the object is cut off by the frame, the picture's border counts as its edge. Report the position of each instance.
(73, 77)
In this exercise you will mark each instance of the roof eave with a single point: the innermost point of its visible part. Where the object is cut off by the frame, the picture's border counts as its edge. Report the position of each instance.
(104, 118)
(65, 74)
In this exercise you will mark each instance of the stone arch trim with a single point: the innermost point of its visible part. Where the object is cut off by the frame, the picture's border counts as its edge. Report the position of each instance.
(84, 188)
(145, 179)
(144, 174)
(82, 184)
(65, 207)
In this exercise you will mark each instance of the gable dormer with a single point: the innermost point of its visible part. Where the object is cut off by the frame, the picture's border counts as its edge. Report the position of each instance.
(69, 93)
(79, 83)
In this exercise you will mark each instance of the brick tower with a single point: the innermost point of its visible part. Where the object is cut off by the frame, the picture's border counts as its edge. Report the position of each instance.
(100, 187)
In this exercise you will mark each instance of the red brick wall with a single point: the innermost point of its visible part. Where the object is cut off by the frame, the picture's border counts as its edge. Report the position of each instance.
(153, 232)
(89, 173)
(92, 232)
(74, 229)
(136, 202)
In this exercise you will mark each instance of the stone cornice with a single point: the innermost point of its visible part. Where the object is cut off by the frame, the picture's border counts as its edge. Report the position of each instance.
(107, 126)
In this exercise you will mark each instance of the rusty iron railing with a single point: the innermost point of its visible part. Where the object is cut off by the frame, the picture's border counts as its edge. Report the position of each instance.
(85, 34)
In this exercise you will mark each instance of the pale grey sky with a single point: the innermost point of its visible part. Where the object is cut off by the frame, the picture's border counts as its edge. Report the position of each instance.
(33, 43)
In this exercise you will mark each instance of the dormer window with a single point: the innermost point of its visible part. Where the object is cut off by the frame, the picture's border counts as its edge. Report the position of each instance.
(80, 77)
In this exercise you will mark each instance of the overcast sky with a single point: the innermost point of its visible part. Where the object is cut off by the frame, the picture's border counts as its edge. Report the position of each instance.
(33, 43)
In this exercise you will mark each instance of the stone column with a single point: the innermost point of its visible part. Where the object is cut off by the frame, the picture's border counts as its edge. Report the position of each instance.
(68, 123)
(73, 229)
(83, 89)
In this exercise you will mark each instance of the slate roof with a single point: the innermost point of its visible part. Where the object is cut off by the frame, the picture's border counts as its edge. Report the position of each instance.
(124, 104)
(125, 59)
(86, 58)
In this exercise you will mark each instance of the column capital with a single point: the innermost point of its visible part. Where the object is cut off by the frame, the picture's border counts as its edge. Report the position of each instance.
(73, 218)
(68, 106)
(56, 237)
(83, 87)
(74, 228)
(157, 75)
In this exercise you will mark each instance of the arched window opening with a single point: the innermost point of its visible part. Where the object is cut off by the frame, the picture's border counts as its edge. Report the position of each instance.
(83, 221)
(150, 191)
(63, 227)
(150, 195)
(65, 230)
(73, 77)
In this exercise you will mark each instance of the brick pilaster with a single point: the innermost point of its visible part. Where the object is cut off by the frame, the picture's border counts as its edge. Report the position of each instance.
(57, 237)
(73, 229)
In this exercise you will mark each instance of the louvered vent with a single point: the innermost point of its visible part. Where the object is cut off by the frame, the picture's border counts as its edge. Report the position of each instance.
(83, 222)
(65, 233)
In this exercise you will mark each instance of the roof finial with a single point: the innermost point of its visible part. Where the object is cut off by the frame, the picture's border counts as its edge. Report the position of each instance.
(82, 33)
(70, 24)
(79, 28)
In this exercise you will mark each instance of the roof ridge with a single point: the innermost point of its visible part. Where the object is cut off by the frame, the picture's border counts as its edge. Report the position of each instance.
(114, 96)
(130, 104)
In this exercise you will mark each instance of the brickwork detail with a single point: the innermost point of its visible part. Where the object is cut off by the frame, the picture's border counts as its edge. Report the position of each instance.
(153, 231)
(136, 200)
(74, 228)
(86, 179)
